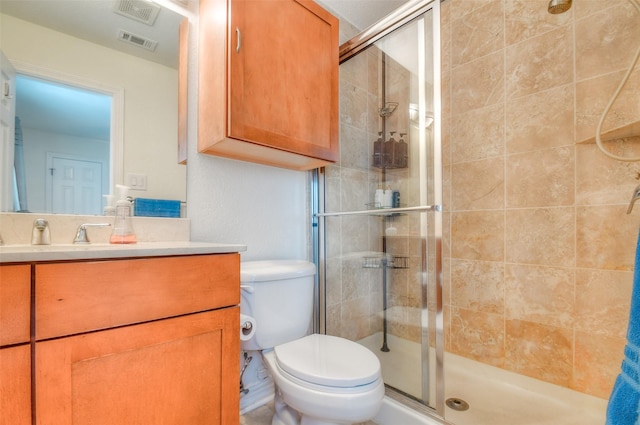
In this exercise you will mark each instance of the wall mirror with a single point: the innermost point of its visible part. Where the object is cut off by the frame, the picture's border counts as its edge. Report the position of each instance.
(122, 53)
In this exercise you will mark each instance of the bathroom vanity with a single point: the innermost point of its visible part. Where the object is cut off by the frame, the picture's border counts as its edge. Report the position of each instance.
(137, 334)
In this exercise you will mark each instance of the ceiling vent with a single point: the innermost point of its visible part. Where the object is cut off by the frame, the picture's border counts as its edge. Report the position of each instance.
(136, 40)
(140, 10)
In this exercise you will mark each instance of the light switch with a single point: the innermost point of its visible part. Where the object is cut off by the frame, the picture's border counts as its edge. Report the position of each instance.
(137, 181)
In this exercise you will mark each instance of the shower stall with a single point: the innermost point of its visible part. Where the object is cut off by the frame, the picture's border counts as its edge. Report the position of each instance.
(378, 211)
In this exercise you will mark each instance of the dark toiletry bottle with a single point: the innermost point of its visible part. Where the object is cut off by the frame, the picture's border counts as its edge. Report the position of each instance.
(377, 151)
(401, 158)
(388, 151)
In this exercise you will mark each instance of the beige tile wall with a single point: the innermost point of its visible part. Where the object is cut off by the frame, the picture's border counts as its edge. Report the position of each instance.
(539, 249)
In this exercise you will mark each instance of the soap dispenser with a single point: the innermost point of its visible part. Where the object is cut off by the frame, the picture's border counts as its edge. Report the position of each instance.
(123, 227)
(377, 151)
(401, 153)
(388, 151)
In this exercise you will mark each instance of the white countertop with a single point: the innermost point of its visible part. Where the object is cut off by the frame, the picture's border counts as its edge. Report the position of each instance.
(70, 252)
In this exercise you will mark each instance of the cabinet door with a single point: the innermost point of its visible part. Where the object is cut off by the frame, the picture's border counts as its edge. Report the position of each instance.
(268, 82)
(15, 385)
(284, 76)
(178, 371)
(15, 301)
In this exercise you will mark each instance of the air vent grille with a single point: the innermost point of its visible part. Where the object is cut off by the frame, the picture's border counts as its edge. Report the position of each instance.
(140, 10)
(136, 40)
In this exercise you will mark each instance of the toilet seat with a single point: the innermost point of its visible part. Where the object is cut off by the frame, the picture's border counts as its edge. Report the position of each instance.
(328, 361)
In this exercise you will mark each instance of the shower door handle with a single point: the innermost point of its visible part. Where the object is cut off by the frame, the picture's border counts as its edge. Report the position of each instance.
(239, 42)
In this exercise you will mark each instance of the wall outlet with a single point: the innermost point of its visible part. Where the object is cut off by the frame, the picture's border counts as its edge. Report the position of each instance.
(137, 181)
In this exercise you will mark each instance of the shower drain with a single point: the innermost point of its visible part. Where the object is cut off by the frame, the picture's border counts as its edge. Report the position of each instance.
(457, 404)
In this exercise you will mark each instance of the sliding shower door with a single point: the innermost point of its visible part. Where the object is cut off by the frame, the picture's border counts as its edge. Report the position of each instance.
(379, 207)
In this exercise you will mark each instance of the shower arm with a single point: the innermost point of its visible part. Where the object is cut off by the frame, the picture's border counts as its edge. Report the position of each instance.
(613, 99)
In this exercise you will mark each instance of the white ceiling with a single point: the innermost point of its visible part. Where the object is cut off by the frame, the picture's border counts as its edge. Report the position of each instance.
(96, 21)
(362, 13)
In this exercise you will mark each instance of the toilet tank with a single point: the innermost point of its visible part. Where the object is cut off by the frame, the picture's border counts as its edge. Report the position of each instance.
(278, 294)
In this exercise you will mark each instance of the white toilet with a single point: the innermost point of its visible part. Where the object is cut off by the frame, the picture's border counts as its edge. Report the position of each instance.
(319, 379)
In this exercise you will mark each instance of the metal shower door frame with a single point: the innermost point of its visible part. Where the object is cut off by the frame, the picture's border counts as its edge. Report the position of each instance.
(403, 15)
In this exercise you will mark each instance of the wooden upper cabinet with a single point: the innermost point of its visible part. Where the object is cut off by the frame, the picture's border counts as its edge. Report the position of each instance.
(268, 82)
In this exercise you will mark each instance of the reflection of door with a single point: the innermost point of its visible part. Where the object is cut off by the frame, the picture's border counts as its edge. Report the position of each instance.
(7, 131)
(74, 185)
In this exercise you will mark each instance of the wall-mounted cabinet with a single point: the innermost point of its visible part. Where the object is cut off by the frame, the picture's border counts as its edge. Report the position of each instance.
(268, 82)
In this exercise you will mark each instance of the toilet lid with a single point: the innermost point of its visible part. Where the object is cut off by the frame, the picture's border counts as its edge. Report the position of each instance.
(328, 360)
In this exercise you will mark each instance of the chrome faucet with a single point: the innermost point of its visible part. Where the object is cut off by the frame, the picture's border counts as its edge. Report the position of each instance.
(40, 234)
(81, 234)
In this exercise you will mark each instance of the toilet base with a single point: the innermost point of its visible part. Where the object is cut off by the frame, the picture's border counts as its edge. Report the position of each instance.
(285, 415)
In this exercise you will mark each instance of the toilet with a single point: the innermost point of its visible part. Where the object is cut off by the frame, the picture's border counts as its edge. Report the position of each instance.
(319, 379)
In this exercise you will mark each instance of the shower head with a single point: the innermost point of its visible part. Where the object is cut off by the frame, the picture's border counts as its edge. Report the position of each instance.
(559, 6)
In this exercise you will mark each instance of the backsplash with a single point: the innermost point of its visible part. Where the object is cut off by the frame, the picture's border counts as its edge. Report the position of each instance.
(15, 228)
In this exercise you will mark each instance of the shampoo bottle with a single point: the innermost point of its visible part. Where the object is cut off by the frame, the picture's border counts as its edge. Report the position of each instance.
(402, 150)
(123, 226)
(379, 197)
(377, 151)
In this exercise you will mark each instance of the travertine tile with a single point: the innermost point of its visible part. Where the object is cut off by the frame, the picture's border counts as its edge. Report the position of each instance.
(477, 335)
(592, 97)
(543, 236)
(525, 19)
(541, 178)
(606, 237)
(463, 7)
(478, 185)
(478, 285)
(541, 120)
(603, 299)
(477, 134)
(540, 294)
(604, 40)
(539, 63)
(601, 180)
(478, 235)
(597, 363)
(478, 83)
(539, 351)
(477, 34)
(588, 7)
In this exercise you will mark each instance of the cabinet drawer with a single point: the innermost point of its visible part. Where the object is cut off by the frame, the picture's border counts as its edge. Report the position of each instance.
(73, 298)
(15, 300)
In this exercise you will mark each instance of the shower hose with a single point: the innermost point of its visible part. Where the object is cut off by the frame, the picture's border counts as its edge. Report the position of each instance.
(636, 4)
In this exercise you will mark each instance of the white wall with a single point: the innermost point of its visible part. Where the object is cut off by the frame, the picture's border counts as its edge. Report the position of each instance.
(150, 97)
(231, 201)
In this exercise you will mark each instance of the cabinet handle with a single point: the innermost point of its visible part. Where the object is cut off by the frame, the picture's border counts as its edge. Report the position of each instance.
(239, 42)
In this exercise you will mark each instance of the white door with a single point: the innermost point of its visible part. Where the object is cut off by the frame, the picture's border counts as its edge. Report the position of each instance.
(74, 185)
(7, 131)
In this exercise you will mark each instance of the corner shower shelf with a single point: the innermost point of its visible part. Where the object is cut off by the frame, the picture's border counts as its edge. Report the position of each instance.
(628, 130)
(394, 262)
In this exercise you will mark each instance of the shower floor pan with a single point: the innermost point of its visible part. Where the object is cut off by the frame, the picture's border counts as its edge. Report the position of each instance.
(495, 396)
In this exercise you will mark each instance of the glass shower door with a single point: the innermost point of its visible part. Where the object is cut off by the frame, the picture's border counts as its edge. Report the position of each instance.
(379, 209)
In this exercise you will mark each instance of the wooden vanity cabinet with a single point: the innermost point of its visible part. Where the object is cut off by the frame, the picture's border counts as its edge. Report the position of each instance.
(15, 349)
(268, 82)
(138, 341)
